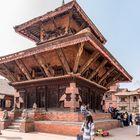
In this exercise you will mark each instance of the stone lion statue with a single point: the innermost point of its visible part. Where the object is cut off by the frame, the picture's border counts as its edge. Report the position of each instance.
(5, 115)
(24, 114)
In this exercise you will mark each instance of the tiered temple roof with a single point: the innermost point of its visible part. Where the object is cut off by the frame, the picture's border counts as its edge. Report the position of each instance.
(31, 29)
(67, 43)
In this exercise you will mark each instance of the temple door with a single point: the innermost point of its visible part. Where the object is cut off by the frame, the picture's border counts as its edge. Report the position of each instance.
(31, 97)
(31, 100)
(40, 95)
(52, 98)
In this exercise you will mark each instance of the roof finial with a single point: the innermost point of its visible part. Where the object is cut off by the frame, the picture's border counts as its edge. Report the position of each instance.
(63, 2)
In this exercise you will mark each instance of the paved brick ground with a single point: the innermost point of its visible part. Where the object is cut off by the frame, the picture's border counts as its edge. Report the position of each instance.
(116, 134)
(127, 133)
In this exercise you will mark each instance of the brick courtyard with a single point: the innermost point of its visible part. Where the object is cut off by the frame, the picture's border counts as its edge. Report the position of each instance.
(116, 134)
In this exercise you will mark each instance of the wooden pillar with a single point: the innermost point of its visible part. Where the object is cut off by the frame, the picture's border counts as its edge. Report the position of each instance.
(26, 102)
(94, 99)
(90, 99)
(24, 105)
(46, 101)
(35, 95)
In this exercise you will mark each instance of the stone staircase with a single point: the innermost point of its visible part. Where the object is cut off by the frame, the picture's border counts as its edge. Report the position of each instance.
(15, 125)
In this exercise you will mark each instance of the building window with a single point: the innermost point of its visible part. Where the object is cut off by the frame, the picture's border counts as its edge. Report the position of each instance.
(135, 109)
(134, 99)
(122, 99)
(108, 96)
(123, 107)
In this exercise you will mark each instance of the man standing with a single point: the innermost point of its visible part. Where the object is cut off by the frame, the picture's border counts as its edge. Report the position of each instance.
(137, 120)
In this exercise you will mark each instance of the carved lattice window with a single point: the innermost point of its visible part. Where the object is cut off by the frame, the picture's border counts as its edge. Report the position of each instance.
(68, 97)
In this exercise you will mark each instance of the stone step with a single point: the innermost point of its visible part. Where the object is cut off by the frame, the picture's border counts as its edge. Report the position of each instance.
(71, 128)
(15, 123)
(13, 130)
(14, 127)
(19, 118)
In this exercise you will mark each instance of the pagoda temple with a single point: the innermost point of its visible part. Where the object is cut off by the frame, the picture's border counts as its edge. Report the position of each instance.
(68, 66)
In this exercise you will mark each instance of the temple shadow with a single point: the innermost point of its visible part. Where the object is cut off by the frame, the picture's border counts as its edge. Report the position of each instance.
(11, 138)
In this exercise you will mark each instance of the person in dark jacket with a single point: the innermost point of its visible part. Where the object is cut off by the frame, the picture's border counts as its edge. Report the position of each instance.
(137, 120)
(131, 119)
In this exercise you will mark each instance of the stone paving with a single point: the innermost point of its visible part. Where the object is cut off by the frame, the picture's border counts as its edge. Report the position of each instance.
(128, 133)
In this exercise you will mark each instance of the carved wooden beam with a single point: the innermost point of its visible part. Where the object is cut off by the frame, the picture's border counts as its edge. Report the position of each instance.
(41, 68)
(42, 64)
(92, 58)
(113, 80)
(54, 23)
(63, 60)
(50, 69)
(69, 21)
(97, 69)
(106, 74)
(42, 33)
(22, 67)
(4, 74)
(80, 51)
(82, 26)
(9, 73)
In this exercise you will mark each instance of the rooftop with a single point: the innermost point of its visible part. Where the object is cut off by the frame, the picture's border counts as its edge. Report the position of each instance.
(5, 88)
(126, 92)
(31, 29)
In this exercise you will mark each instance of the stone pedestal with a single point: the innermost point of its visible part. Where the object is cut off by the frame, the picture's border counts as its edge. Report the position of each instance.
(37, 115)
(32, 115)
(4, 124)
(14, 114)
(27, 126)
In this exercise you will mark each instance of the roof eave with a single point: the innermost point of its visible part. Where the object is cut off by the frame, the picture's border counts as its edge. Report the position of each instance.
(71, 40)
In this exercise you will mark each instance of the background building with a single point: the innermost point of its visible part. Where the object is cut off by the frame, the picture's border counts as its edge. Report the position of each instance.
(109, 98)
(128, 100)
(121, 99)
(6, 95)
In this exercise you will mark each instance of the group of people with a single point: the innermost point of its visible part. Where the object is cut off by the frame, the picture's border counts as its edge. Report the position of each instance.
(125, 118)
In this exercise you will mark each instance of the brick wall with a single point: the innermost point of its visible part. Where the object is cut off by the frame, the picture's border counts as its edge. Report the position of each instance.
(67, 116)
(71, 129)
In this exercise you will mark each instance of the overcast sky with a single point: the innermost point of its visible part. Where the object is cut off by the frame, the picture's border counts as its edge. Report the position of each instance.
(118, 20)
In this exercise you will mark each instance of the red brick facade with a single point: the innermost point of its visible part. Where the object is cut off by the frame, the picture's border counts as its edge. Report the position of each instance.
(71, 129)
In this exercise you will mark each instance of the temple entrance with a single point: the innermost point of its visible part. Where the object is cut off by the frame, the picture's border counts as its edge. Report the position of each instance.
(31, 97)
(40, 95)
(52, 98)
